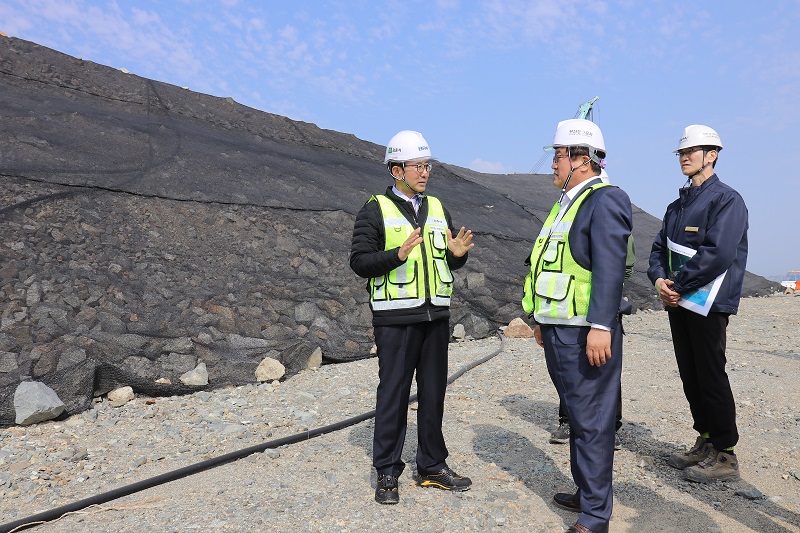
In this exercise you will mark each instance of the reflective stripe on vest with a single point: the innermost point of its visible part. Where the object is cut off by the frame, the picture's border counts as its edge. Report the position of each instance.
(557, 289)
(425, 274)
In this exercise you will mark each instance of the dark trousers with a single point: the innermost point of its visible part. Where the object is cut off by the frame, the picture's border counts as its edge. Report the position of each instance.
(402, 351)
(699, 343)
(590, 395)
(563, 418)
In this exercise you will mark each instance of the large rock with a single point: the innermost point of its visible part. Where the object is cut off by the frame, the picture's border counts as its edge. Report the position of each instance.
(121, 396)
(477, 326)
(269, 370)
(36, 402)
(198, 376)
(517, 328)
(301, 356)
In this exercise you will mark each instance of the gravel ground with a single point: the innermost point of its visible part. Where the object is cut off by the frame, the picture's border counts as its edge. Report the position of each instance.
(497, 422)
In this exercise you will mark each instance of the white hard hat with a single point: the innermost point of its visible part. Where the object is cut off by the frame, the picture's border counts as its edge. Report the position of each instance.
(407, 145)
(580, 132)
(698, 135)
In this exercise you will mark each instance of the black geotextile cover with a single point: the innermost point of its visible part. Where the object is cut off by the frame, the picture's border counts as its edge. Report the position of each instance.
(82, 136)
(82, 124)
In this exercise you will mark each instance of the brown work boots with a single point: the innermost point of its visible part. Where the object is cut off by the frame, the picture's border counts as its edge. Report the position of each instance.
(704, 464)
(696, 453)
(717, 466)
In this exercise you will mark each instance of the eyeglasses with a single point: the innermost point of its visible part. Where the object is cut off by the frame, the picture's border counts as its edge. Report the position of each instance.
(559, 157)
(419, 167)
(688, 151)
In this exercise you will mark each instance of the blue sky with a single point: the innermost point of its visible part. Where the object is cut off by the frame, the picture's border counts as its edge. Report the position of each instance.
(486, 81)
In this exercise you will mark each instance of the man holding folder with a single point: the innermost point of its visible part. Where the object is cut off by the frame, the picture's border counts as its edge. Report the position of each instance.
(697, 265)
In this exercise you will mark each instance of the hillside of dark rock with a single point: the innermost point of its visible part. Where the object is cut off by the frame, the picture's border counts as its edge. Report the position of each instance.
(147, 228)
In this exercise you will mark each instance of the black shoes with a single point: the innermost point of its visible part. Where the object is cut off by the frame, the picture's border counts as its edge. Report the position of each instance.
(444, 479)
(567, 501)
(561, 434)
(386, 492)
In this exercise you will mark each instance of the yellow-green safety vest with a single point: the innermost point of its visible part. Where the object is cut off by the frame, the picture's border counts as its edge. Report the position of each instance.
(425, 274)
(557, 289)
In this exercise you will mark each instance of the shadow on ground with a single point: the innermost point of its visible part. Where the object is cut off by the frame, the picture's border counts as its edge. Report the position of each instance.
(517, 455)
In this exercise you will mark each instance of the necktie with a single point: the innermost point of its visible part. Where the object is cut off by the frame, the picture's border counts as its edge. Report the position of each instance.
(416, 200)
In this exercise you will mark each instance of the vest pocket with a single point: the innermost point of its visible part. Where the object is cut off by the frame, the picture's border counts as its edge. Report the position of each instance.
(553, 285)
(553, 255)
(556, 293)
(444, 278)
(438, 242)
(403, 282)
(379, 288)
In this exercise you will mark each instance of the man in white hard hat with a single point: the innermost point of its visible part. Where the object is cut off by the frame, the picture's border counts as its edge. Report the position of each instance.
(404, 243)
(561, 434)
(573, 293)
(703, 237)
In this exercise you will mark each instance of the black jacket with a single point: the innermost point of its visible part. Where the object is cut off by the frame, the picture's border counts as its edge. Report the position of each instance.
(368, 258)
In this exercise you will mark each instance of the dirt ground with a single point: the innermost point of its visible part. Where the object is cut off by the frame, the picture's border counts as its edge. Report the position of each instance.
(498, 417)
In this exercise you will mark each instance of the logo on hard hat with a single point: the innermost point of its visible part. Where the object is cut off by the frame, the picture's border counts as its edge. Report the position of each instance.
(422, 148)
(394, 150)
(584, 133)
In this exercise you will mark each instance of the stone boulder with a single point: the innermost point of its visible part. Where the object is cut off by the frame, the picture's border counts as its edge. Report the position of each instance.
(36, 402)
(269, 370)
(518, 329)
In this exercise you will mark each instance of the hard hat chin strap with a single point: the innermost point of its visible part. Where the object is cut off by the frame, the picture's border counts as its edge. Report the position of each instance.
(403, 179)
(701, 169)
(564, 188)
(571, 171)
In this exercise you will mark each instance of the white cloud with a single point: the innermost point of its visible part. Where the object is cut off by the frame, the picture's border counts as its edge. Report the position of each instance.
(488, 167)
(505, 21)
(141, 17)
(447, 4)
(94, 30)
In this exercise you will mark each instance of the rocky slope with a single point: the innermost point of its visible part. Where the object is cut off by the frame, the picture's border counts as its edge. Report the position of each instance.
(145, 228)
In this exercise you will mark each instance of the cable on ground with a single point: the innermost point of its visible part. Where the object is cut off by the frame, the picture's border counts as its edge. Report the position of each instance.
(58, 512)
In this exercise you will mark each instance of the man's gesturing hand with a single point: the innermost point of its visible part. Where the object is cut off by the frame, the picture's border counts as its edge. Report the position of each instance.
(461, 243)
(412, 242)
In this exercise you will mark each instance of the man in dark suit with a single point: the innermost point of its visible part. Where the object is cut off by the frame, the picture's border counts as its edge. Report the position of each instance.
(573, 293)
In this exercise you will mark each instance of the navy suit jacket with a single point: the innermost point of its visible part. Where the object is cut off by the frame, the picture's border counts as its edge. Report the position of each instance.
(599, 242)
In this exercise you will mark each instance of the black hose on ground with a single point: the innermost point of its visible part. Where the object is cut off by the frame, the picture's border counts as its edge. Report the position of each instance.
(58, 512)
